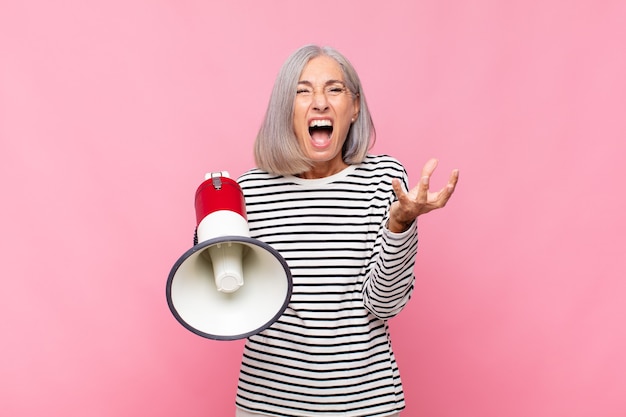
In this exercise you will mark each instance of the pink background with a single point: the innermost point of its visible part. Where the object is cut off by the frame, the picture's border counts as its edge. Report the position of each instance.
(112, 111)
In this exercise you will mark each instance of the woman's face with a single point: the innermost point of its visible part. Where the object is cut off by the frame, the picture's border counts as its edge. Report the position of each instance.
(324, 109)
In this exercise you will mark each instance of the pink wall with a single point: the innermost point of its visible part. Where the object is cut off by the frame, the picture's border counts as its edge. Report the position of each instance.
(112, 111)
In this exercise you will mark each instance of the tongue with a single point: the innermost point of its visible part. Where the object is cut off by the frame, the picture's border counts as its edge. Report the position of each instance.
(320, 138)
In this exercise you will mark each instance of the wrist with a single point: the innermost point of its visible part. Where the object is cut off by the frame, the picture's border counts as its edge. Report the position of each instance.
(396, 226)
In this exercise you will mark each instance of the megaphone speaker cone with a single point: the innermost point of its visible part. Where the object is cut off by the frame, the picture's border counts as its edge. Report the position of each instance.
(237, 311)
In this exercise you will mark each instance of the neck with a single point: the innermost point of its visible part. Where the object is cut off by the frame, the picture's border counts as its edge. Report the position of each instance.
(323, 170)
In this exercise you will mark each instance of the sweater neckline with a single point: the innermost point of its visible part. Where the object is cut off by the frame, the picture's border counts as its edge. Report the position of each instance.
(322, 181)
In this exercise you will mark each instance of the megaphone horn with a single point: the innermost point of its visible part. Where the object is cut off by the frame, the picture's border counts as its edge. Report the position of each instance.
(228, 285)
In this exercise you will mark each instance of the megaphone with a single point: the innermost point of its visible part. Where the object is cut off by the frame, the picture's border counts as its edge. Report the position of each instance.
(228, 285)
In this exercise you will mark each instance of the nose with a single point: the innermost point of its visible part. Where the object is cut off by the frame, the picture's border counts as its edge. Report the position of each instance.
(320, 103)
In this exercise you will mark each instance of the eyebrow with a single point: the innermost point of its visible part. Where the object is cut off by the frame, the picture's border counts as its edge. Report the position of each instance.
(309, 83)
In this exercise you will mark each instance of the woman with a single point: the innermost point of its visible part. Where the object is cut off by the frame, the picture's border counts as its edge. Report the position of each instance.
(341, 219)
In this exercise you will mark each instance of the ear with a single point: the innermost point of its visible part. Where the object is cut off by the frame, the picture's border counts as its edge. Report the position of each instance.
(357, 107)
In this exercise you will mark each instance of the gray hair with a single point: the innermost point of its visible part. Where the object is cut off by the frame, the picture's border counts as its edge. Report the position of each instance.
(276, 149)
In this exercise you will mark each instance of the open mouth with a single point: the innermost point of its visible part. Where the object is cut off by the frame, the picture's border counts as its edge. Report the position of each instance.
(320, 131)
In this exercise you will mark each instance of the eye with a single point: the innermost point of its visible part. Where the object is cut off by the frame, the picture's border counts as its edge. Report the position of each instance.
(335, 90)
(304, 91)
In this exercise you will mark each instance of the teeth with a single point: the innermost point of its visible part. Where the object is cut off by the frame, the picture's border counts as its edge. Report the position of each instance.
(320, 123)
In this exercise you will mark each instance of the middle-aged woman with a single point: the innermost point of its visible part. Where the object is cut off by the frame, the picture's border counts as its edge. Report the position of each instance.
(346, 225)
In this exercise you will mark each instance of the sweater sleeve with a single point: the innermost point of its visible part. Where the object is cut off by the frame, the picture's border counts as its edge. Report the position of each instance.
(388, 284)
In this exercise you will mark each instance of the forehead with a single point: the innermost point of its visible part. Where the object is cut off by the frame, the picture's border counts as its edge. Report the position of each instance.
(321, 69)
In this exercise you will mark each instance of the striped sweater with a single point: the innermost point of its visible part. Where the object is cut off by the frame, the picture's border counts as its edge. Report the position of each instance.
(330, 353)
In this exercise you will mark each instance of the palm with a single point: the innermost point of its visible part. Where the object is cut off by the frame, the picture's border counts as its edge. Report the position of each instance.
(420, 200)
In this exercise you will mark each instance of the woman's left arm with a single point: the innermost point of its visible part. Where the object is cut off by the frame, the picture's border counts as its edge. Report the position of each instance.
(390, 283)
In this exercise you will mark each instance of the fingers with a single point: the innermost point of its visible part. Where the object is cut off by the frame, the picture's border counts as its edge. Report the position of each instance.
(427, 172)
(420, 199)
(454, 178)
(445, 193)
(397, 188)
(422, 189)
(429, 167)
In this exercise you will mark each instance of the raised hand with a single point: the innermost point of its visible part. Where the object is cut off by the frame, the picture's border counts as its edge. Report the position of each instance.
(419, 200)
